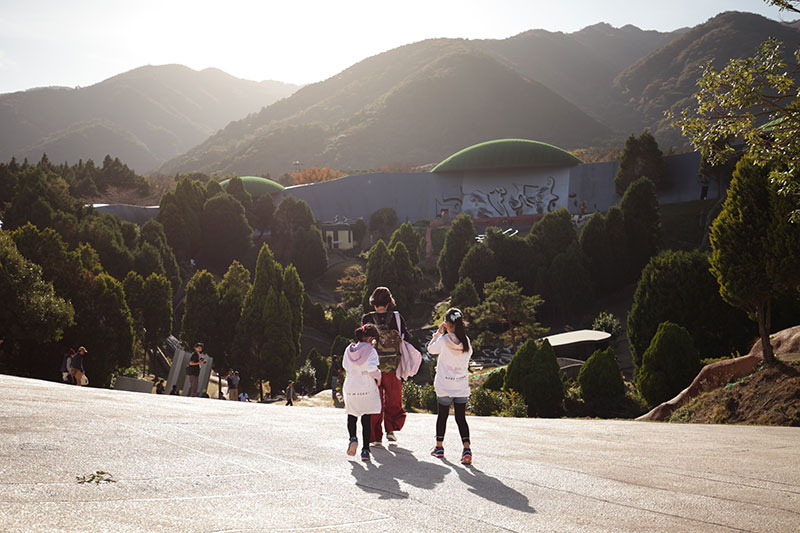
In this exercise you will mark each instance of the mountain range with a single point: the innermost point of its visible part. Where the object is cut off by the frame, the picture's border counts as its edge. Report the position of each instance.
(406, 107)
(145, 116)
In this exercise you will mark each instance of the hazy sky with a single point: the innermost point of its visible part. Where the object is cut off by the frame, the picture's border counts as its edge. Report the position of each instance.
(81, 42)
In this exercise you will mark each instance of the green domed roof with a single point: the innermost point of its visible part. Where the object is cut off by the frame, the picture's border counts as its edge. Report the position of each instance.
(257, 186)
(507, 153)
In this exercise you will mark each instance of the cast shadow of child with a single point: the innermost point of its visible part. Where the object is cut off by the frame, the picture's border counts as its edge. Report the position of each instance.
(389, 465)
(491, 488)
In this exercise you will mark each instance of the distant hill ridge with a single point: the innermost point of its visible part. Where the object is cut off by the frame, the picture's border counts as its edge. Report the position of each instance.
(144, 116)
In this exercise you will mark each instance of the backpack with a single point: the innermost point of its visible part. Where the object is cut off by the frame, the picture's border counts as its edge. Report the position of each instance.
(388, 345)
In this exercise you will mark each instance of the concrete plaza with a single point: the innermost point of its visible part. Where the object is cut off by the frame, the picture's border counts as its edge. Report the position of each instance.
(184, 464)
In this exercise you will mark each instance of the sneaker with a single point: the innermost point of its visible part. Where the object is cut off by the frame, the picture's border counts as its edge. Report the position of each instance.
(376, 443)
(438, 452)
(466, 457)
(390, 436)
(365, 455)
(352, 447)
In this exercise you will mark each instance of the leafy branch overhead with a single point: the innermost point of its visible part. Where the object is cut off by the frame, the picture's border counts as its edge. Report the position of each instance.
(752, 100)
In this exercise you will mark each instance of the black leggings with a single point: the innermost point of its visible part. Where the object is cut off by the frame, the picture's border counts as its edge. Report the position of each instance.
(461, 420)
(365, 428)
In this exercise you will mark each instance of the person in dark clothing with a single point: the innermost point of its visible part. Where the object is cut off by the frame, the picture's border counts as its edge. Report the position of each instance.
(290, 393)
(193, 371)
(65, 366)
(160, 388)
(174, 391)
(76, 365)
(392, 415)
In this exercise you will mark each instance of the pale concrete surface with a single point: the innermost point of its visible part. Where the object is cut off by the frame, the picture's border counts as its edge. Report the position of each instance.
(184, 464)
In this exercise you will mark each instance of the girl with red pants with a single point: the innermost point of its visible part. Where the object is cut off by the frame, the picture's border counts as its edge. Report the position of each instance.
(392, 416)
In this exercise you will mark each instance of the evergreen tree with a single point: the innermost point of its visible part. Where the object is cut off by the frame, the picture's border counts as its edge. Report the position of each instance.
(678, 287)
(294, 292)
(618, 248)
(457, 241)
(233, 289)
(642, 222)
(201, 313)
(180, 213)
(31, 310)
(308, 253)
(213, 188)
(152, 232)
(669, 364)
(569, 283)
(147, 260)
(505, 304)
(534, 373)
(236, 189)
(263, 212)
(601, 382)
(464, 295)
(383, 222)
(596, 249)
(410, 238)
(156, 310)
(406, 277)
(276, 356)
(755, 252)
(104, 234)
(480, 265)
(380, 272)
(641, 158)
(226, 233)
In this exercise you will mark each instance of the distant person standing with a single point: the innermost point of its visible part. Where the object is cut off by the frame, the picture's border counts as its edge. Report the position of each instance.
(65, 366)
(174, 391)
(76, 369)
(392, 330)
(290, 393)
(193, 370)
(233, 385)
(160, 388)
(451, 384)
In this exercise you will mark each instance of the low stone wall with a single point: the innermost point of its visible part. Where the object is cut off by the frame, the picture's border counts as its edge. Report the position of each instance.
(134, 385)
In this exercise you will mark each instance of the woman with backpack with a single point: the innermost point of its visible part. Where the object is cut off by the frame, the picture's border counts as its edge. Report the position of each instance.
(451, 344)
(392, 329)
(360, 388)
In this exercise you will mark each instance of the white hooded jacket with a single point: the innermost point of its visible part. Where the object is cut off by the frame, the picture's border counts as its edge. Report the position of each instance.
(452, 366)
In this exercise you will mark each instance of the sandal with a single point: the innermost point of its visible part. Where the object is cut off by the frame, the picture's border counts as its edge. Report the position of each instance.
(466, 457)
(438, 452)
(352, 447)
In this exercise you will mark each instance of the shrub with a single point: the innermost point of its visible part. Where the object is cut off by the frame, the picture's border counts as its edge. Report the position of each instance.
(495, 380)
(306, 379)
(484, 402)
(339, 345)
(607, 322)
(534, 373)
(412, 395)
(515, 406)
(668, 365)
(464, 295)
(428, 399)
(600, 381)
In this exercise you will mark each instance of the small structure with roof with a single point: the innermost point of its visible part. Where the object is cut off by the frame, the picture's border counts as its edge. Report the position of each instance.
(337, 234)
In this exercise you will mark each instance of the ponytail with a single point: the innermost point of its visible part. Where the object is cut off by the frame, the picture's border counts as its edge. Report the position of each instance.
(365, 332)
(456, 317)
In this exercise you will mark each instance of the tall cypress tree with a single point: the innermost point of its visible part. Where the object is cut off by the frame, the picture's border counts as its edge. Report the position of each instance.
(380, 271)
(457, 241)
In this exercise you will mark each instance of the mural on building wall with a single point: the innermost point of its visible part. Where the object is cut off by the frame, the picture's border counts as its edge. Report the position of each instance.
(515, 200)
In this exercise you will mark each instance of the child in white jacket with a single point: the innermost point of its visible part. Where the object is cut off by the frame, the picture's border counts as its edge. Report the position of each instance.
(452, 345)
(360, 389)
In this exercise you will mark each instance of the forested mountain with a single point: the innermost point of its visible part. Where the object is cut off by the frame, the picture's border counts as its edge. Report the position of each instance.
(418, 103)
(413, 105)
(581, 66)
(145, 116)
(667, 78)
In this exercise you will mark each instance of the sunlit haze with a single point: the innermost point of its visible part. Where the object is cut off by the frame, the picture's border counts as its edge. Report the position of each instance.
(79, 43)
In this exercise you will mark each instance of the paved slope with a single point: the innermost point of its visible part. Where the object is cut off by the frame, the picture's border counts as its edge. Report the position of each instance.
(208, 465)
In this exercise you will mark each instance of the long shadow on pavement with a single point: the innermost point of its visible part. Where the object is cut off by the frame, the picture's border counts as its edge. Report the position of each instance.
(491, 488)
(389, 465)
